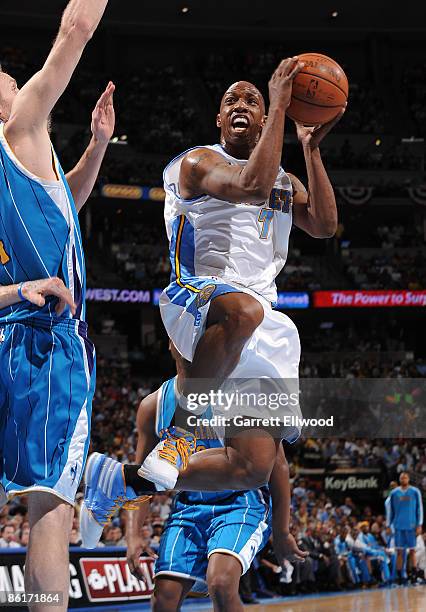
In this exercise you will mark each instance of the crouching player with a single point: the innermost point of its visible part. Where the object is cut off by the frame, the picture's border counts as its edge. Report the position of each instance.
(210, 539)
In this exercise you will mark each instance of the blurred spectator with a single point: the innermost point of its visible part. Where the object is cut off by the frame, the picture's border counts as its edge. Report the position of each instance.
(8, 536)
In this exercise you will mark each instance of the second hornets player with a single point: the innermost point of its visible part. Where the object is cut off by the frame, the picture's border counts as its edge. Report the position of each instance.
(210, 538)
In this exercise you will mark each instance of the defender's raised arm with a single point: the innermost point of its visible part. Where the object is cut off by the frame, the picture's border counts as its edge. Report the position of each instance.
(35, 101)
(30, 107)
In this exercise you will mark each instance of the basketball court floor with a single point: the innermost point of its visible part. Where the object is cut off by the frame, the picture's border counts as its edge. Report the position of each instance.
(400, 599)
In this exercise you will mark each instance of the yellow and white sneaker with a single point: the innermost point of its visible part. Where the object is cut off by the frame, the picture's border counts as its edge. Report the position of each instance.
(164, 462)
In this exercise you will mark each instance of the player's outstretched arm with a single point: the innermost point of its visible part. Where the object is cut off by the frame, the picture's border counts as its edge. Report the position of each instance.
(147, 440)
(36, 99)
(36, 293)
(26, 128)
(206, 172)
(81, 179)
(285, 545)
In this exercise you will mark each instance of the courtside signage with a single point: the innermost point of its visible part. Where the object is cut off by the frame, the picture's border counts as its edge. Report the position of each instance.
(108, 579)
(289, 299)
(137, 296)
(368, 299)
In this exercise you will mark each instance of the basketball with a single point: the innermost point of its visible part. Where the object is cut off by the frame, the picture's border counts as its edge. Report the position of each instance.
(319, 90)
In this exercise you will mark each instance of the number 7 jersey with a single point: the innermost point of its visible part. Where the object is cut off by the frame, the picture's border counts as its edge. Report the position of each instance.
(243, 244)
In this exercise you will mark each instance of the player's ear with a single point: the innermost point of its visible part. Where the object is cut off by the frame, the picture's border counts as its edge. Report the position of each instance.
(264, 119)
(218, 121)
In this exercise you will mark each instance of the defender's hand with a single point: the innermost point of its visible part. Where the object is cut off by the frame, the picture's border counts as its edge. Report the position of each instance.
(285, 547)
(134, 550)
(37, 291)
(312, 136)
(103, 116)
(281, 83)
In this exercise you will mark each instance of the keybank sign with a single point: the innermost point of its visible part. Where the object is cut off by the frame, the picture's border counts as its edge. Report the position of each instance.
(350, 483)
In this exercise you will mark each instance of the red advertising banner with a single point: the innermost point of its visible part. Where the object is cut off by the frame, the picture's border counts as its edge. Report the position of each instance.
(96, 576)
(108, 579)
(368, 299)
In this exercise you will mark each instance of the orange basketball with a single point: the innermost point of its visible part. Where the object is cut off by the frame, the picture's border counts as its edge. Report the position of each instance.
(319, 90)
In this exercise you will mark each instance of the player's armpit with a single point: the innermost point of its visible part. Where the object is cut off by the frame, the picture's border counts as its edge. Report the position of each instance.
(204, 171)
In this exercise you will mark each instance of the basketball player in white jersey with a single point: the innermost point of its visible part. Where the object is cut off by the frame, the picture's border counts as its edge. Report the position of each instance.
(229, 211)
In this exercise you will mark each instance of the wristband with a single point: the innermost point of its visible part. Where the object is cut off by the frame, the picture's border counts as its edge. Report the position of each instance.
(21, 295)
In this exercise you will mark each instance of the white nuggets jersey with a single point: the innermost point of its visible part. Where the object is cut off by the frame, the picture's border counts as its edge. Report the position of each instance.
(243, 244)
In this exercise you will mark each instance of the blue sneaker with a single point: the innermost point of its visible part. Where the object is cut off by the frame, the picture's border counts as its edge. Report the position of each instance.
(171, 455)
(105, 492)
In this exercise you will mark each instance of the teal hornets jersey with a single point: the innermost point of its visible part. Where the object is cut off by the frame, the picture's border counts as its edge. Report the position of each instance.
(404, 508)
(39, 236)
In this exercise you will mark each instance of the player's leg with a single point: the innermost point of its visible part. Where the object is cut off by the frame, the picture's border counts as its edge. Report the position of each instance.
(272, 355)
(223, 579)
(238, 529)
(50, 384)
(400, 545)
(399, 559)
(245, 462)
(231, 321)
(169, 593)
(412, 557)
(47, 562)
(3, 420)
(350, 563)
(384, 562)
(182, 557)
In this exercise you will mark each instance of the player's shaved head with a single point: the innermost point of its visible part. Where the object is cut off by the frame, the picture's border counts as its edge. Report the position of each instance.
(248, 87)
(241, 118)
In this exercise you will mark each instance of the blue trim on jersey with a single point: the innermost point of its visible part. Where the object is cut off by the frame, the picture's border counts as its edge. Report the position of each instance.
(187, 251)
(182, 249)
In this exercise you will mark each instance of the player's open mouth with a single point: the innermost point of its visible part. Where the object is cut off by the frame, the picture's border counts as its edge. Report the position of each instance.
(240, 123)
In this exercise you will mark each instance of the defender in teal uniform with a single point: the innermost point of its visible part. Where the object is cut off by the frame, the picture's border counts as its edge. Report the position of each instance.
(211, 538)
(47, 363)
(404, 514)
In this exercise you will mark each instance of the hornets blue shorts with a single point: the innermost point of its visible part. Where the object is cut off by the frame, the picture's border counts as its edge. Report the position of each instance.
(405, 538)
(238, 525)
(47, 381)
